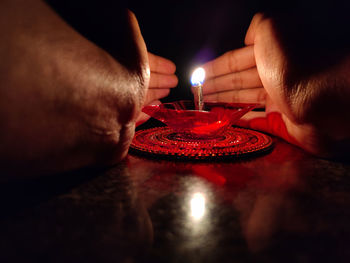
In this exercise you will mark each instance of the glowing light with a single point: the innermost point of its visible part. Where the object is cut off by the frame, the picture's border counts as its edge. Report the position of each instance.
(198, 77)
(197, 206)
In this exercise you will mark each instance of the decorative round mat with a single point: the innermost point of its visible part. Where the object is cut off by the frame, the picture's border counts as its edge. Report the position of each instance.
(233, 143)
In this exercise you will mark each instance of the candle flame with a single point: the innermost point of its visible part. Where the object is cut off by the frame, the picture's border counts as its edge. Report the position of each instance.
(198, 76)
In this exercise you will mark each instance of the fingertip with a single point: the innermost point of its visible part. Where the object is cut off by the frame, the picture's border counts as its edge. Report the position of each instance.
(254, 120)
(171, 66)
(250, 35)
(242, 123)
(161, 65)
(154, 102)
(142, 119)
(174, 81)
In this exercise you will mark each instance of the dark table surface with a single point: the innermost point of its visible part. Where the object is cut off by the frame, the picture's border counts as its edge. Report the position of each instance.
(285, 206)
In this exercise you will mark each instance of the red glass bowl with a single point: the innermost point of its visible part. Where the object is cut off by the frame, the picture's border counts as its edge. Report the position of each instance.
(184, 119)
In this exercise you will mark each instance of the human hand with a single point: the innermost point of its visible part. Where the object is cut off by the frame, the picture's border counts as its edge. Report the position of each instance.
(161, 80)
(308, 111)
(65, 103)
(233, 77)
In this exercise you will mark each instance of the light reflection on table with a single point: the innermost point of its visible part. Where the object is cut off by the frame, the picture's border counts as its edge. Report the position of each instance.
(286, 206)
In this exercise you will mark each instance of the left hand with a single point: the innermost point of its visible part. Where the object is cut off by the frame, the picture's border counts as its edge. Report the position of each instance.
(161, 80)
(65, 103)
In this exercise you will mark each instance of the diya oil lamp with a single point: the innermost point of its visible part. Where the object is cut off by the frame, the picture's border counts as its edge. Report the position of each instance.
(198, 130)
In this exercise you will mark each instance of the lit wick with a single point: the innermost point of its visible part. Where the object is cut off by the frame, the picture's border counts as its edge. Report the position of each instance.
(197, 80)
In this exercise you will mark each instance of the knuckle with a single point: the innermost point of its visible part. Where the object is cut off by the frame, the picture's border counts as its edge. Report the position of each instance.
(261, 96)
(237, 80)
(232, 61)
(234, 97)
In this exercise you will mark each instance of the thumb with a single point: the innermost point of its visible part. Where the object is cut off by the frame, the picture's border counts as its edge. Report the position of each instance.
(250, 35)
(272, 123)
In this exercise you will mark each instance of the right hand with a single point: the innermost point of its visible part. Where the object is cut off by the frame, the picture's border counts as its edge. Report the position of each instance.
(308, 109)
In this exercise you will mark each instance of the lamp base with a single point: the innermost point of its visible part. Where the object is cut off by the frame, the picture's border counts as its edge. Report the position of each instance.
(234, 143)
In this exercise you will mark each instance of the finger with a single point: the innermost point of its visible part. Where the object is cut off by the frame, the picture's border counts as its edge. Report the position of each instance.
(252, 115)
(138, 41)
(161, 65)
(246, 79)
(254, 120)
(162, 81)
(273, 123)
(257, 95)
(143, 117)
(155, 94)
(249, 37)
(232, 61)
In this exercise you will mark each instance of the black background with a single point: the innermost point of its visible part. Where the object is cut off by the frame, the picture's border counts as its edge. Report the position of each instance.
(192, 32)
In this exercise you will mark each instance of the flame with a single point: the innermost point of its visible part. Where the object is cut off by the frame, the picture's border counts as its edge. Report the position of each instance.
(198, 77)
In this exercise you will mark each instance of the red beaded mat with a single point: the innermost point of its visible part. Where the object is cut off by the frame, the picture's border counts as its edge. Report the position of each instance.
(233, 143)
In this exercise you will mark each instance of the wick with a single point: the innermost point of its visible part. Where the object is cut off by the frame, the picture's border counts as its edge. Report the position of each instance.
(200, 97)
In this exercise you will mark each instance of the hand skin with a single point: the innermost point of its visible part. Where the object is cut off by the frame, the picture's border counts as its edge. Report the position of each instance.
(308, 110)
(162, 79)
(64, 102)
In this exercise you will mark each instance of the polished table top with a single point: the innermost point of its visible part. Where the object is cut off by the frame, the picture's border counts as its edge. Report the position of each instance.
(285, 206)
